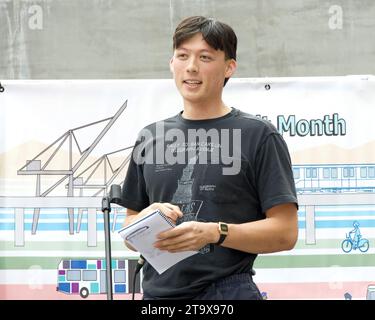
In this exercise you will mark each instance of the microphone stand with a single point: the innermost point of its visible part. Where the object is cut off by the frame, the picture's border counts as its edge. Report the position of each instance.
(114, 197)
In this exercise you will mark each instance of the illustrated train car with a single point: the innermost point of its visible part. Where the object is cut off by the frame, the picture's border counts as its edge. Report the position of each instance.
(334, 178)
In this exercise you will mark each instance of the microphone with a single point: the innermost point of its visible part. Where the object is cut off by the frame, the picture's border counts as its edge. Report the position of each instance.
(138, 268)
(115, 194)
(140, 264)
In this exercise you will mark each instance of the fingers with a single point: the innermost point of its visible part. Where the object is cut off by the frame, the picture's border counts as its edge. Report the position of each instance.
(182, 246)
(175, 242)
(186, 236)
(172, 233)
(171, 211)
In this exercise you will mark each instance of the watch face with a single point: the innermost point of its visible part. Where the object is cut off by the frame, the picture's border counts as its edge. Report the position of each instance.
(223, 227)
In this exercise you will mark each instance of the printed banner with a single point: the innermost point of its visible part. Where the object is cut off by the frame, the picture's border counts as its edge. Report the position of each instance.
(64, 143)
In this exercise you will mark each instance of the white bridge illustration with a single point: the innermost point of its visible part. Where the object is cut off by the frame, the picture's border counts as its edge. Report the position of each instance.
(75, 180)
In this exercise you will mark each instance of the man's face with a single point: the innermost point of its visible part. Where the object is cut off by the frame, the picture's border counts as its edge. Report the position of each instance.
(199, 70)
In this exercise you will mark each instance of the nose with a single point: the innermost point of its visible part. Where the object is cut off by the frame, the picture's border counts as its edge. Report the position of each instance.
(192, 65)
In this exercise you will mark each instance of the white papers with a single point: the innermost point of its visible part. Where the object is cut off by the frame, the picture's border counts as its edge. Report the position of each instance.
(142, 233)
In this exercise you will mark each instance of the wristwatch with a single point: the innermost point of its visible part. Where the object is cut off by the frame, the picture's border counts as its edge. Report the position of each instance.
(223, 230)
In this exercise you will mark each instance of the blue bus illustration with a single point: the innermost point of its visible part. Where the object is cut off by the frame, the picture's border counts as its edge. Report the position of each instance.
(88, 276)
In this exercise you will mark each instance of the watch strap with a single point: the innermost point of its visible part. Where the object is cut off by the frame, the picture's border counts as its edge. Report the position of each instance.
(221, 239)
(223, 229)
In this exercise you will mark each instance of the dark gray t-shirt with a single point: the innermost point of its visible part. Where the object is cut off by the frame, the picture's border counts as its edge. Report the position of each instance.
(236, 170)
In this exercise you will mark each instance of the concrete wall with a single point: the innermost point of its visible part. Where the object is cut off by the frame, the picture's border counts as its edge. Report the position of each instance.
(118, 39)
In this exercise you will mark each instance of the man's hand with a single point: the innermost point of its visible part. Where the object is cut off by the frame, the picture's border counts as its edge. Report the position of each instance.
(187, 236)
(171, 211)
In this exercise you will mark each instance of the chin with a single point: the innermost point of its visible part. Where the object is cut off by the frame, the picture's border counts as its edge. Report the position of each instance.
(192, 98)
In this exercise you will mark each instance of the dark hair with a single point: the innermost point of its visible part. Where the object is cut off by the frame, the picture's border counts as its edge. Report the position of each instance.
(217, 34)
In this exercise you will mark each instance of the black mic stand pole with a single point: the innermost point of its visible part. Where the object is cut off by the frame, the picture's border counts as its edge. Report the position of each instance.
(114, 197)
(106, 208)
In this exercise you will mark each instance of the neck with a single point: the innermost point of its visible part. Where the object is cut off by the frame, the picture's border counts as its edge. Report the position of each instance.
(204, 111)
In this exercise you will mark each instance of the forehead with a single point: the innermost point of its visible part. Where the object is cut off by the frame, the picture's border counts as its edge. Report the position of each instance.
(196, 42)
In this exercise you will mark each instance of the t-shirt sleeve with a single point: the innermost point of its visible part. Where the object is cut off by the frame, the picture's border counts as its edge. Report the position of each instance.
(274, 174)
(134, 195)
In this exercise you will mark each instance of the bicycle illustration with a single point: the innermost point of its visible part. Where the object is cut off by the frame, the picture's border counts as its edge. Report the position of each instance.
(354, 240)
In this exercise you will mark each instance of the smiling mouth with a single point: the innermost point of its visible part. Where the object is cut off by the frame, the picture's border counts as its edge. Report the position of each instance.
(192, 83)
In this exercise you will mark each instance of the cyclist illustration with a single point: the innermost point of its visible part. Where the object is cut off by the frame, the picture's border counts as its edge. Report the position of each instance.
(354, 240)
(356, 233)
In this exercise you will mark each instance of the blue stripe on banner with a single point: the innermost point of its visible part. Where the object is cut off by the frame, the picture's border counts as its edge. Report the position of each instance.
(54, 217)
(7, 215)
(344, 214)
(42, 215)
(57, 210)
(339, 224)
(340, 214)
(54, 226)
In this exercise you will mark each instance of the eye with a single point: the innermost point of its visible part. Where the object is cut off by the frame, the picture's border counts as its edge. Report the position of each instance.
(206, 58)
(182, 56)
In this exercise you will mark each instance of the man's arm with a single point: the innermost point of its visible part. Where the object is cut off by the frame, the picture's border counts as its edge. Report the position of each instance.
(278, 232)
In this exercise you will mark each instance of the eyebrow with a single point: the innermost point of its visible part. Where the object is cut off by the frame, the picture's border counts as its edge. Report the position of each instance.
(202, 50)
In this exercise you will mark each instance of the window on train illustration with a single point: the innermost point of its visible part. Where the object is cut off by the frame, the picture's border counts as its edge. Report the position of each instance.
(371, 172)
(326, 173)
(296, 173)
(334, 174)
(348, 172)
(363, 172)
(311, 173)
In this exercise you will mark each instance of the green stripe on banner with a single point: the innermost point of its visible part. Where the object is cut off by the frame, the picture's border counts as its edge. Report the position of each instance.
(315, 261)
(324, 244)
(263, 261)
(320, 244)
(28, 262)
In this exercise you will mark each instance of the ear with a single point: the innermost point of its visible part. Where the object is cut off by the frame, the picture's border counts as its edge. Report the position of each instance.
(230, 68)
(171, 64)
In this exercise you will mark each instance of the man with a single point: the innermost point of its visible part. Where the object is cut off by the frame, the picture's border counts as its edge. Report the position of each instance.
(230, 208)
